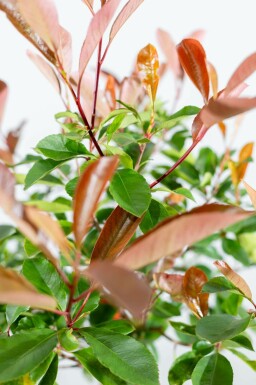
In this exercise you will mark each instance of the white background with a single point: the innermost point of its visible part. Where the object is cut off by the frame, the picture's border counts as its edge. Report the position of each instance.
(230, 36)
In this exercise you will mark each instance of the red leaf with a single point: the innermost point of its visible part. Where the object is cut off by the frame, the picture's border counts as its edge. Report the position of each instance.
(131, 90)
(91, 185)
(3, 98)
(126, 288)
(168, 47)
(177, 232)
(193, 60)
(116, 233)
(46, 70)
(213, 78)
(193, 282)
(220, 109)
(129, 8)
(95, 32)
(16, 290)
(42, 17)
(172, 284)
(65, 50)
(246, 69)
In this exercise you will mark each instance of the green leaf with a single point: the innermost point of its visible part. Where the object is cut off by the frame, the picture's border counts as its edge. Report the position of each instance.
(182, 368)
(178, 116)
(114, 126)
(59, 147)
(125, 159)
(6, 231)
(13, 312)
(207, 161)
(155, 214)
(30, 249)
(219, 327)
(185, 192)
(52, 207)
(71, 186)
(42, 274)
(68, 341)
(118, 326)
(244, 358)
(22, 352)
(123, 356)
(234, 248)
(239, 341)
(213, 370)
(217, 284)
(40, 169)
(93, 366)
(51, 374)
(131, 191)
(183, 328)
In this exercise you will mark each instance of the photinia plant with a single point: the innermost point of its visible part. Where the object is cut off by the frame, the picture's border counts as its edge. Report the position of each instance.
(124, 235)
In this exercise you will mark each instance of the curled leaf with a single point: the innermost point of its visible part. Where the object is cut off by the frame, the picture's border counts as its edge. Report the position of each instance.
(234, 278)
(193, 283)
(91, 185)
(16, 290)
(126, 288)
(174, 233)
(170, 283)
(148, 65)
(193, 60)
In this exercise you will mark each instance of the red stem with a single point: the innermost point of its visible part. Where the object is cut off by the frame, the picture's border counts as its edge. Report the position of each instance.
(81, 309)
(193, 145)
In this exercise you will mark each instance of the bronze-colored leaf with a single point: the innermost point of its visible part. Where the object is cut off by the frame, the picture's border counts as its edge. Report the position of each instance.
(193, 282)
(251, 192)
(180, 231)
(116, 233)
(244, 156)
(193, 60)
(89, 4)
(168, 47)
(110, 92)
(213, 79)
(16, 290)
(22, 26)
(7, 186)
(223, 128)
(246, 69)
(148, 66)
(13, 137)
(126, 288)
(3, 98)
(234, 174)
(235, 278)
(170, 283)
(91, 185)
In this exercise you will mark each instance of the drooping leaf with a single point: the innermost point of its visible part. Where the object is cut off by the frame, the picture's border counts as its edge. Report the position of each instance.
(22, 352)
(148, 66)
(131, 191)
(116, 233)
(46, 70)
(129, 8)
(174, 233)
(16, 290)
(3, 98)
(42, 274)
(42, 17)
(193, 60)
(234, 278)
(40, 169)
(251, 192)
(246, 68)
(90, 186)
(219, 327)
(59, 147)
(212, 369)
(123, 356)
(126, 288)
(193, 282)
(51, 374)
(95, 33)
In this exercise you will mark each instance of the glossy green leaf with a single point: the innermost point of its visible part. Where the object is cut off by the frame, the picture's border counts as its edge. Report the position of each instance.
(68, 341)
(51, 374)
(99, 371)
(123, 356)
(234, 248)
(207, 161)
(182, 368)
(131, 191)
(178, 116)
(6, 231)
(40, 169)
(217, 284)
(42, 274)
(239, 341)
(52, 207)
(59, 147)
(114, 126)
(71, 186)
(155, 214)
(214, 369)
(183, 328)
(219, 327)
(13, 312)
(124, 158)
(118, 326)
(22, 352)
